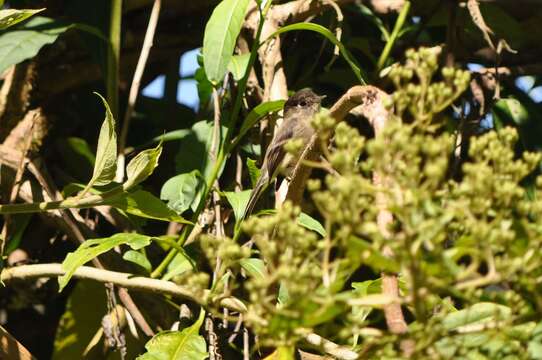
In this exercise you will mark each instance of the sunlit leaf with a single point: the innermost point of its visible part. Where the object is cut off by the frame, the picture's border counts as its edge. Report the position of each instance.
(178, 345)
(311, 223)
(238, 201)
(94, 247)
(142, 166)
(328, 35)
(144, 204)
(183, 191)
(105, 165)
(254, 267)
(138, 258)
(253, 171)
(259, 112)
(220, 37)
(26, 41)
(10, 17)
(238, 65)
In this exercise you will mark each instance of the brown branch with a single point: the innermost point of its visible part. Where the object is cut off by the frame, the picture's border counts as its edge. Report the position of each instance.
(136, 83)
(10, 348)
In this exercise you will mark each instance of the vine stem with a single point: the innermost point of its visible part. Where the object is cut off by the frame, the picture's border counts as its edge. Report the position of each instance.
(393, 37)
(70, 203)
(113, 59)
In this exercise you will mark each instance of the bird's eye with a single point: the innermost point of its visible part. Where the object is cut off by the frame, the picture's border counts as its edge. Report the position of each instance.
(302, 103)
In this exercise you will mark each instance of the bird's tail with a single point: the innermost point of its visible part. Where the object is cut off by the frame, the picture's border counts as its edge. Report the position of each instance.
(259, 188)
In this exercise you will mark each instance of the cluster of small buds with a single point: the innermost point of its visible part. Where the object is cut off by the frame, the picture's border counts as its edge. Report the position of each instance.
(418, 94)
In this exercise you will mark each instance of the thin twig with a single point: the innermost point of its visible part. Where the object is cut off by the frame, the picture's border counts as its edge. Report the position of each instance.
(136, 84)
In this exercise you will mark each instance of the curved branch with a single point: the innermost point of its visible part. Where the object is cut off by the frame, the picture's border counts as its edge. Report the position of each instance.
(125, 280)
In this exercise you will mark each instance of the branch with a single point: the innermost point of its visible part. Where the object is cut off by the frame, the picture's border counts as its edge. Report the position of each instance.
(125, 280)
(136, 83)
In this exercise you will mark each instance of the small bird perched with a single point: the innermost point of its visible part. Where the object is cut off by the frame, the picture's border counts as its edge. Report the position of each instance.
(299, 110)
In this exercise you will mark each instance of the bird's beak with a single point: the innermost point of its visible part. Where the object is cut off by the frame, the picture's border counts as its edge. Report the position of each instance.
(322, 97)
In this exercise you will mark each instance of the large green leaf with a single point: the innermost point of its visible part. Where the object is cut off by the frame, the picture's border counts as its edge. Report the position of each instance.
(178, 345)
(10, 17)
(25, 42)
(328, 35)
(183, 191)
(144, 204)
(94, 247)
(105, 165)
(220, 36)
(142, 166)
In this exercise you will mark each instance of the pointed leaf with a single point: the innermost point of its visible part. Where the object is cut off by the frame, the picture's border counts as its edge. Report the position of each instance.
(106, 154)
(238, 201)
(94, 247)
(144, 204)
(255, 267)
(142, 166)
(178, 345)
(257, 113)
(10, 17)
(311, 223)
(328, 35)
(220, 36)
(238, 65)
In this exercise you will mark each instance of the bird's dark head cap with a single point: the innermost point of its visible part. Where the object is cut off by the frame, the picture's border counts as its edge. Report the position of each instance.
(303, 98)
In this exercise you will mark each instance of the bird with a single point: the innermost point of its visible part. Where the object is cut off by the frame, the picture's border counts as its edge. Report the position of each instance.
(298, 112)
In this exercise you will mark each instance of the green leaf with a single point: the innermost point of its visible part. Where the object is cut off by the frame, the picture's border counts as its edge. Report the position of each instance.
(195, 150)
(95, 247)
(311, 223)
(25, 42)
(328, 35)
(105, 165)
(513, 109)
(476, 314)
(144, 204)
(254, 267)
(178, 345)
(170, 136)
(183, 191)
(180, 264)
(373, 257)
(238, 65)
(138, 258)
(220, 36)
(10, 17)
(238, 201)
(77, 157)
(253, 171)
(142, 166)
(257, 113)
